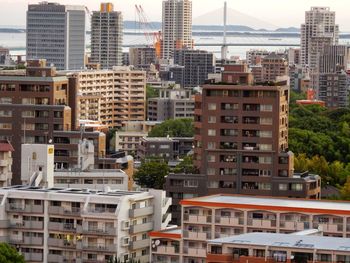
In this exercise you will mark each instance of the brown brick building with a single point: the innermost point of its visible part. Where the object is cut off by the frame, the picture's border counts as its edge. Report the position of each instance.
(241, 142)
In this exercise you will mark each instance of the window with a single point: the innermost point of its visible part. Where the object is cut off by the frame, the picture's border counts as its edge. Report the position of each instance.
(191, 183)
(5, 126)
(211, 132)
(265, 160)
(211, 171)
(211, 119)
(5, 113)
(283, 187)
(265, 107)
(265, 134)
(164, 146)
(211, 145)
(211, 158)
(266, 121)
(211, 106)
(264, 186)
(30, 101)
(5, 100)
(297, 187)
(28, 114)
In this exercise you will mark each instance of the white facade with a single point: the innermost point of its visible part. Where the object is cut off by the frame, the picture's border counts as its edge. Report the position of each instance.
(318, 31)
(6, 150)
(56, 33)
(72, 225)
(177, 26)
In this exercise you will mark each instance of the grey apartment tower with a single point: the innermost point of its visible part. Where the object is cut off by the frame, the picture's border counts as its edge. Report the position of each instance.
(107, 37)
(56, 33)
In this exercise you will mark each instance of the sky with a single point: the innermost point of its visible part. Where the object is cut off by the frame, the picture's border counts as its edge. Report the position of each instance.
(281, 13)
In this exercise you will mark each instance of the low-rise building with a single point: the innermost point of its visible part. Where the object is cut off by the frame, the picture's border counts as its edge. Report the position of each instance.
(170, 149)
(237, 74)
(274, 66)
(223, 216)
(271, 247)
(171, 104)
(73, 225)
(6, 150)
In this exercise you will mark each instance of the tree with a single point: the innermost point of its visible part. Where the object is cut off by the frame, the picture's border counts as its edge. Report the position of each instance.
(9, 254)
(151, 92)
(173, 128)
(152, 174)
(186, 166)
(345, 190)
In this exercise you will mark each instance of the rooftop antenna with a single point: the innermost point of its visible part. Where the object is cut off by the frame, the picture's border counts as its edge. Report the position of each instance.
(224, 45)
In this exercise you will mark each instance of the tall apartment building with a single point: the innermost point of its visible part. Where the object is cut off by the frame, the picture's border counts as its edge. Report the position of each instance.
(5, 58)
(56, 33)
(171, 104)
(6, 151)
(111, 96)
(274, 66)
(70, 225)
(318, 31)
(241, 142)
(223, 216)
(142, 57)
(333, 80)
(177, 26)
(107, 37)
(198, 64)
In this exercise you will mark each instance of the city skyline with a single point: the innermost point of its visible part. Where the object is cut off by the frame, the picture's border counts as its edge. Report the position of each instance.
(261, 10)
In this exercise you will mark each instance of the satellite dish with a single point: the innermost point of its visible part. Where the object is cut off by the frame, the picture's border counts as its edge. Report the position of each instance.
(157, 242)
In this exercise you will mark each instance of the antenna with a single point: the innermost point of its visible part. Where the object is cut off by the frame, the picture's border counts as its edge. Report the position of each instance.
(224, 44)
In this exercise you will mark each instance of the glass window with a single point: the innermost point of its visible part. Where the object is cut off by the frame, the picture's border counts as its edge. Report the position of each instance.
(211, 106)
(212, 119)
(283, 187)
(211, 132)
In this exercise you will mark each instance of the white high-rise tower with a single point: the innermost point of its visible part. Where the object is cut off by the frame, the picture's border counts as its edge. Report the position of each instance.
(177, 26)
(318, 31)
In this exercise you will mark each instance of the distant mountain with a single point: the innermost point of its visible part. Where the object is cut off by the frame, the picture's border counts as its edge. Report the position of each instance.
(12, 30)
(135, 25)
(288, 29)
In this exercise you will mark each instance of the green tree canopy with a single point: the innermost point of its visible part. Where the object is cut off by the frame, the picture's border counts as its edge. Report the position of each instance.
(174, 128)
(9, 254)
(152, 174)
(186, 166)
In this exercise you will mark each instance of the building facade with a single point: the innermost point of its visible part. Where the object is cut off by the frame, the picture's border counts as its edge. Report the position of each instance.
(241, 142)
(111, 96)
(107, 37)
(176, 26)
(237, 74)
(6, 151)
(274, 66)
(171, 104)
(56, 33)
(197, 65)
(67, 225)
(223, 216)
(318, 31)
(142, 57)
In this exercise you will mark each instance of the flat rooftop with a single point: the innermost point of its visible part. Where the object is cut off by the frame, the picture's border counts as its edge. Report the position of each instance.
(287, 241)
(173, 232)
(282, 204)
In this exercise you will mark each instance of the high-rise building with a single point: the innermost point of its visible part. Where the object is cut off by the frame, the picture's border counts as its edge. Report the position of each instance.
(142, 57)
(111, 96)
(241, 142)
(198, 64)
(70, 225)
(177, 26)
(318, 31)
(56, 33)
(107, 37)
(273, 66)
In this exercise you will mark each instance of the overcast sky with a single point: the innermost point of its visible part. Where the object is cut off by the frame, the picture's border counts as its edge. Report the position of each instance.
(282, 13)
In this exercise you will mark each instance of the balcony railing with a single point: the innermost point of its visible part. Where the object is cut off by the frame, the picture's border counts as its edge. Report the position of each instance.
(201, 219)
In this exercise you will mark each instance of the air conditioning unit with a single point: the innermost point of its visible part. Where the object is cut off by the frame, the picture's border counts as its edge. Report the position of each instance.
(125, 224)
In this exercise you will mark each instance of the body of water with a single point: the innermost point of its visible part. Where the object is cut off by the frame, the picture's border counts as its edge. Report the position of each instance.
(16, 43)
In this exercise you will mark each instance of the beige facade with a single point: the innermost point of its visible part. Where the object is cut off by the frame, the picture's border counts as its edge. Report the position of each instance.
(111, 96)
(81, 226)
(6, 150)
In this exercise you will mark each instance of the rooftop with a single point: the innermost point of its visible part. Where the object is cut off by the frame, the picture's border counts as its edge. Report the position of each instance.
(282, 204)
(287, 241)
(6, 147)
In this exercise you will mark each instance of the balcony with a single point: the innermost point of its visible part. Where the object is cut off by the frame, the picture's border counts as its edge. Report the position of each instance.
(62, 243)
(139, 244)
(332, 228)
(141, 228)
(61, 227)
(229, 221)
(168, 250)
(27, 225)
(195, 252)
(264, 223)
(199, 219)
(53, 258)
(197, 235)
(4, 163)
(138, 212)
(33, 256)
(111, 231)
(4, 224)
(294, 225)
(34, 241)
(19, 207)
(99, 247)
(57, 210)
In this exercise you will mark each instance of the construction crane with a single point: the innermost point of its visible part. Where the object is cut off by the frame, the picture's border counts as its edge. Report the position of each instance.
(153, 38)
